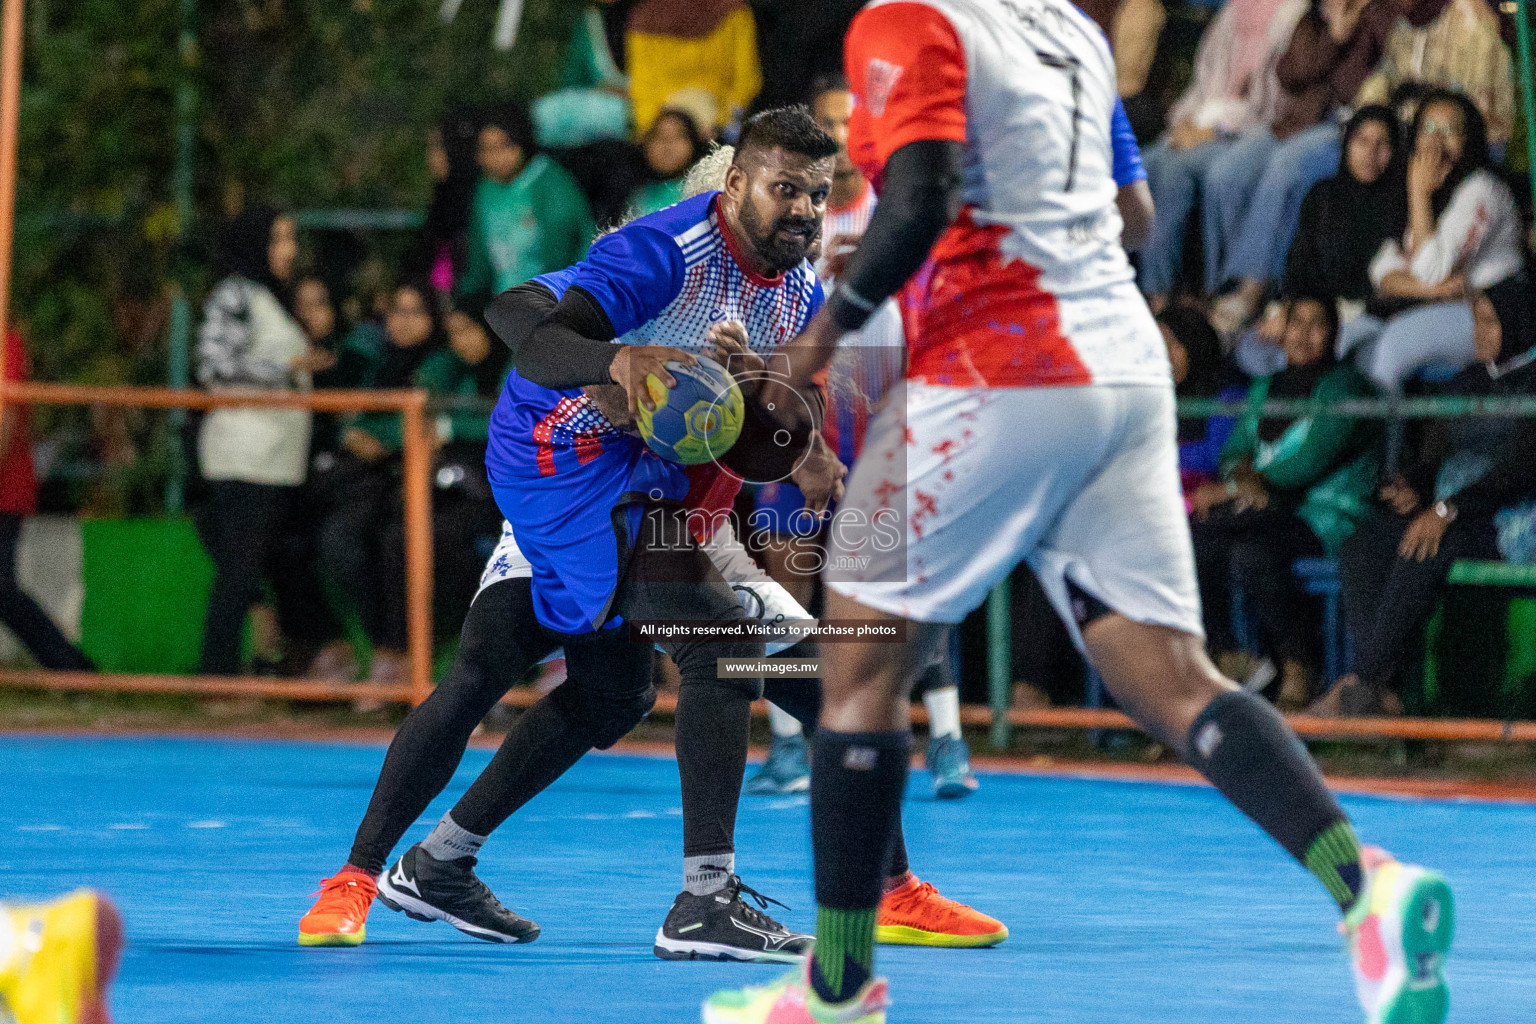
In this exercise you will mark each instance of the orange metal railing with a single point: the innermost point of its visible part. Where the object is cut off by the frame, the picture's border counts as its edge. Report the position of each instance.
(417, 455)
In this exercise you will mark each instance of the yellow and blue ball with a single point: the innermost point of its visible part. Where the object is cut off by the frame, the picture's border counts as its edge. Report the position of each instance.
(698, 420)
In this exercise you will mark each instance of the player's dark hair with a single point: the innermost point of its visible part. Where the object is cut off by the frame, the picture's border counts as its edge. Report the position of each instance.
(822, 84)
(791, 129)
(514, 119)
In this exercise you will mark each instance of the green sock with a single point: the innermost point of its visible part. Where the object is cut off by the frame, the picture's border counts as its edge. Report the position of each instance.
(845, 951)
(1334, 857)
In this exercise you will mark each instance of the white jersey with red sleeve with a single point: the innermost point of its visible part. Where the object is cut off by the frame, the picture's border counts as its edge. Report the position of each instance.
(1030, 287)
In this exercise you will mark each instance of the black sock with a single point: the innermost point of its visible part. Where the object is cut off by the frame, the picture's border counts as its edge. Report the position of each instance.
(896, 862)
(1242, 745)
(712, 726)
(539, 748)
(856, 784)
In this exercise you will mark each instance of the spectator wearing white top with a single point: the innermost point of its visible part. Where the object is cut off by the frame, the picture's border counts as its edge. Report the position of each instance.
(1463, 237)
(253, 459)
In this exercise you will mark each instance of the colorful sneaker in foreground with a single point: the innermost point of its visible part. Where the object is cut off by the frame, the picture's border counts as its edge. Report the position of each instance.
(339, 917)
(916, 915)
(787, 769)
(791, 1000)
(723, 926)
(949, 762)
(1399, 932)
(427, 889)
(58, 959)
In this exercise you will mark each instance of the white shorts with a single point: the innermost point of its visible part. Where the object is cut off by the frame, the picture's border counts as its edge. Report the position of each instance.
(1081, 482)
(756, 591)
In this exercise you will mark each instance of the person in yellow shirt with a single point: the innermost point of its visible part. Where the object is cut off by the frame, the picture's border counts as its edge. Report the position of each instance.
(672, 45)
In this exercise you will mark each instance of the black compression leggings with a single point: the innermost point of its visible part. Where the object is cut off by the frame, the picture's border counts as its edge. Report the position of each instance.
(500, 641)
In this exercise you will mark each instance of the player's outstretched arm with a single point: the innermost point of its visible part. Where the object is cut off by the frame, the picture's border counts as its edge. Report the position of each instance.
(919, 200)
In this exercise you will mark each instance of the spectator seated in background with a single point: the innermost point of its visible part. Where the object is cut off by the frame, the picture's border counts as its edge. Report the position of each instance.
(674, 45)
(1336, 45)
(1454, 46)
(592, 102)
(1232, 101)
(1464, 232)
(1290, 488)
(366, 485)
(1394, 567)
(671, 146)
(1344, 221)
(529, 216)
(1194, 352)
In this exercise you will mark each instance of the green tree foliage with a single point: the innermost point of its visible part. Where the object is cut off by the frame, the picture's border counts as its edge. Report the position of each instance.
(306, 103)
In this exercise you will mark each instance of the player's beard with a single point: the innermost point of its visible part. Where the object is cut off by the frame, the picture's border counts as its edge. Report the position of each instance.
(781, 252)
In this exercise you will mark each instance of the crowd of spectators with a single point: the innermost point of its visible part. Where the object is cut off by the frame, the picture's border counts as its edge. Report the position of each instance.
(1334, 218)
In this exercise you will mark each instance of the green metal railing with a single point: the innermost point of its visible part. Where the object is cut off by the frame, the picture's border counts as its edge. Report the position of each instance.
(999, 626)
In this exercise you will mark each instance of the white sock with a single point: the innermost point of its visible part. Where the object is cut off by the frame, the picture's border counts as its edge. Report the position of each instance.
(709, 873)
(450, 842)
(783, 724)
(943, 704)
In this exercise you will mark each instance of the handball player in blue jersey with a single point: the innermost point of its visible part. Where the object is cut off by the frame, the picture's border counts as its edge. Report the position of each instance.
(586, 499)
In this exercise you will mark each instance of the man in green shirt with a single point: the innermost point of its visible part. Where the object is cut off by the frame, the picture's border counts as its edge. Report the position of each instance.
(529, 216)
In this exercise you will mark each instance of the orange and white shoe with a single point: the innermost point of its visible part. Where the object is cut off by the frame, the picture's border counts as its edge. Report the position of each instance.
(339, 917)
(57, 959)
(916, 915)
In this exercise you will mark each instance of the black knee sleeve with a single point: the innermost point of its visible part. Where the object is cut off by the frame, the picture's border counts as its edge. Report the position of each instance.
(699, 663)
(605, 716)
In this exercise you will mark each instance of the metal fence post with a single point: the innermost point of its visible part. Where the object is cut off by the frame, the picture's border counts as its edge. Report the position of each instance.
(418, 544)
(999, 660)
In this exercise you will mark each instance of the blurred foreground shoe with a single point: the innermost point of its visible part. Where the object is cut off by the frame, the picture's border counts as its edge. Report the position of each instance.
(340, 915)
(787, 770)
(791, 1000)
(949, 762)
(1399, 932)
(58, 959)
(917, 915)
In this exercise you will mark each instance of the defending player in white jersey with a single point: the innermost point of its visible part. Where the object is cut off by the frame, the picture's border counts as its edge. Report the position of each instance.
(1038, 424)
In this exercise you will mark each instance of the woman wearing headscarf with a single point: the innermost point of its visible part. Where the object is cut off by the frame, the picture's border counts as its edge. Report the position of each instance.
(1233, 100)
(1464, 235)
(253, 459)
(1290, 487)
(673, 144)
(1393, 569)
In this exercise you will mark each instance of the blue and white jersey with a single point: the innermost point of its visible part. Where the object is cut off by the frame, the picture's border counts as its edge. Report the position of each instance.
(558, 466)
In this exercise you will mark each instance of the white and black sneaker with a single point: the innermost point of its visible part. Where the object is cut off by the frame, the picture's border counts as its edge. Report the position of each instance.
(723, 926)
(428, 889)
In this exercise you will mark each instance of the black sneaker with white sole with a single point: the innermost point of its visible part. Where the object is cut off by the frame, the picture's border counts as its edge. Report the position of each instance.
(427, 889)
(723, 926)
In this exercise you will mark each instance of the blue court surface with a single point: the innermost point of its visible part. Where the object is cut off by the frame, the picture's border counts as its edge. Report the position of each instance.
(1128, 902)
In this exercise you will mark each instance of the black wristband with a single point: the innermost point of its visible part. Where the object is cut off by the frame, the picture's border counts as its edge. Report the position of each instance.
(848, 309)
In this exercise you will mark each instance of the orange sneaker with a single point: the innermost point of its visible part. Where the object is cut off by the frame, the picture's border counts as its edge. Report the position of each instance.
(339, 916)
(916, 915)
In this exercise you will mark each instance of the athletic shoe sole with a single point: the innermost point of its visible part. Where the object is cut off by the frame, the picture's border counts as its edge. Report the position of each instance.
(954, 789)
(1429, 924)
(333, 938)
(798, 785)
(674, 949)
(420, 910)
(902, 935)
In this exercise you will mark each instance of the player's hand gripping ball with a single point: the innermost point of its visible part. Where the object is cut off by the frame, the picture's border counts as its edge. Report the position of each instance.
(698, 420)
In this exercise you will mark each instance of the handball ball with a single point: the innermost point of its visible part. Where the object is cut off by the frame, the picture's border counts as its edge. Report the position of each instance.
(698, 420)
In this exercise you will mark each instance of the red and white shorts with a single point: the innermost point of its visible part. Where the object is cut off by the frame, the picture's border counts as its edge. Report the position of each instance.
(1081, 482)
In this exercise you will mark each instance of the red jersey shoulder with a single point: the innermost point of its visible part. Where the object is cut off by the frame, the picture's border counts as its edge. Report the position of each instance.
(907, 67)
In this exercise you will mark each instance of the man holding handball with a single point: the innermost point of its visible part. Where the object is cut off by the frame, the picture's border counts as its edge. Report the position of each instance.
(1038, 424)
